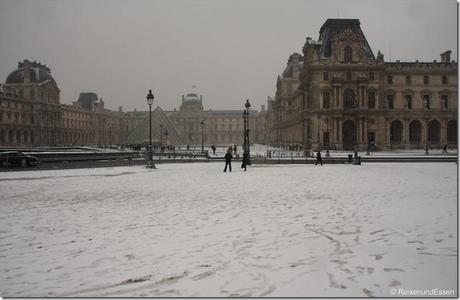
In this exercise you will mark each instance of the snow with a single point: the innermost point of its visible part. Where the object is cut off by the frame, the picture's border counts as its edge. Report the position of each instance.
(191, 230)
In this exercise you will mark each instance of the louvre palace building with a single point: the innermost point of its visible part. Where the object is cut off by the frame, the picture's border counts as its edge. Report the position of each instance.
(337, 94)
(31, 114)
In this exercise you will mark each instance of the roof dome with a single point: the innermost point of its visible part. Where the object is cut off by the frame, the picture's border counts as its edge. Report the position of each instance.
(191, 96)
(38, 73)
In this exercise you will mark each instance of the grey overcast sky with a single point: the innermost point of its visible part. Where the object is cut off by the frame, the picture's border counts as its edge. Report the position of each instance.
(231, 50)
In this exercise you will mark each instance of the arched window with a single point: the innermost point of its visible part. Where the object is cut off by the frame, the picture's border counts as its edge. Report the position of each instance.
(348, 54)
(349, 98)
(396, 131)
(415, 132)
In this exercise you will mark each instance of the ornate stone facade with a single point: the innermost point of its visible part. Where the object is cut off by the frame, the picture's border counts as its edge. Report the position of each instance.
(31, 113)
(339, 95)
(220, 127)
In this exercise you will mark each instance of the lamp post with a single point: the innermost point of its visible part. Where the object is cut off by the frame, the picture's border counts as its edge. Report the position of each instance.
(246, 145)
(150, 98)
(202, 137)
(161, 141)
(427, 139)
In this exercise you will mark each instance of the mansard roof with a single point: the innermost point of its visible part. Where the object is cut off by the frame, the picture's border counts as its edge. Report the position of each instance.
(333, 27)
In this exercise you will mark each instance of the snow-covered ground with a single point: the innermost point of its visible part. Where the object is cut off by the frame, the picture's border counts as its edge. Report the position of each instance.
(192, 230)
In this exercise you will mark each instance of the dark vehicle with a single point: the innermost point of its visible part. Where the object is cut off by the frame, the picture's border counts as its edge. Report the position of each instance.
(17, 159)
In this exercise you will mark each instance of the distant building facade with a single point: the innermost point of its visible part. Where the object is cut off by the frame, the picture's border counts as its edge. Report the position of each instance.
(339, 95)
(220, 127)
(31, 113)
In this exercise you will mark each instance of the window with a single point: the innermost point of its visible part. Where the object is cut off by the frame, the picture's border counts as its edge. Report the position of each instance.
(371, 100)
(348, 54)
(32, 94)
(426, 80)
(349, 98)
(390, 79)
(444, 79)
(426, 101)
(390, 101)
(371, 76)
(326, 99)
(408, 101)
(444, 100)
(348, 75)
(325, 76)
(408, 80)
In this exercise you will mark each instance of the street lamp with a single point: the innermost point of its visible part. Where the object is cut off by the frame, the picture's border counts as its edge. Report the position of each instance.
(246, 145)
(202, 137)
(427, 139)
(150, 98)
(161, 141)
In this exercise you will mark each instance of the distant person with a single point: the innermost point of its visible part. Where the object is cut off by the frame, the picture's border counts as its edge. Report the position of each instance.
(228, 160)
(213, 147)
(234, 149)
(318, 158)
(444, 149)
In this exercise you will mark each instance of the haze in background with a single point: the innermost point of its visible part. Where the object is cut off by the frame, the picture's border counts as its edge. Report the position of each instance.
(231, 50)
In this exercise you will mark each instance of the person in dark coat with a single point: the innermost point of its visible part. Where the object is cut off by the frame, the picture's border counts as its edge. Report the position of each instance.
(228, 160)
(213, 147)
(444, 149)
(318, 158)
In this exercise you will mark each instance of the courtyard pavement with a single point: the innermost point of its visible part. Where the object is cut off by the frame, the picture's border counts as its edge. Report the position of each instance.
(191, 230)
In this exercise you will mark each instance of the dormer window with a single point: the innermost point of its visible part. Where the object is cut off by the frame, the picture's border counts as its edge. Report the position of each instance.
(326, 76)
(348, 54)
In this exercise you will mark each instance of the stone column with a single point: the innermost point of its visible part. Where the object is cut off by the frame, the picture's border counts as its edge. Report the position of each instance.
(339, 120)
(443, 137)
(387, 131)
(424, 131)
(340, 97)
(365, 130)
(358, 130)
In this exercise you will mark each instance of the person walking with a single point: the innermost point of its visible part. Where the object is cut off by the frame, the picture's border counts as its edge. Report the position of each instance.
(228, 160)
(213, 147)
(318, 158)
(444, 149)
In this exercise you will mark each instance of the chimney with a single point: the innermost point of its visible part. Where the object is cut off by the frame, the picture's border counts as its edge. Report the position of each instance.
(120, 109)
(262, 108)
(183, 98)
(445, 56)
